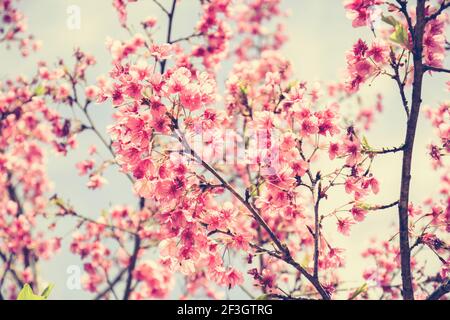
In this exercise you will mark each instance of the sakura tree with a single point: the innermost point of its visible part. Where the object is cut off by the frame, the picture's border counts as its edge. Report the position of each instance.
(233, 175)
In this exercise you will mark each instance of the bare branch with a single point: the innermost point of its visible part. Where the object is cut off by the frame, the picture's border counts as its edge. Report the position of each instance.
(384, 150)
(440, 291)
(401, 84)
(444, 5)
(132, 266)
(436, 69)
(384, 207)
(416, 101)
(161, 6)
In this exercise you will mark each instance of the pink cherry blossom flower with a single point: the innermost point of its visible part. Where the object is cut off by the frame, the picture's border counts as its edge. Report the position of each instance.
(344, 226)
(96, 181)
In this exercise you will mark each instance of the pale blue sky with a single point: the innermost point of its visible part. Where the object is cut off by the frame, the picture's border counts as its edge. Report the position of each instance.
(319, 33)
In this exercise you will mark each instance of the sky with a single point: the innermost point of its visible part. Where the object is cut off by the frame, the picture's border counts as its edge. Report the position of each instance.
(319, 36)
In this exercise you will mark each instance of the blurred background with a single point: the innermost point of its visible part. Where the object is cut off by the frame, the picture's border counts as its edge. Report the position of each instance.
(319, 36)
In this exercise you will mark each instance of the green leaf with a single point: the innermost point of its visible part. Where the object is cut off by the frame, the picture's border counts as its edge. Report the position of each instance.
(39, 91)
(365, 144)
(263, 297)
(243, 89)
(58, 202)
(292, 84)
(47, 291)
(27, 294)
(389, 20)
(363, 206)
(358, 291)
(400, 35)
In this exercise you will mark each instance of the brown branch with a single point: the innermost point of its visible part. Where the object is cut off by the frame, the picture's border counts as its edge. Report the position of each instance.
(161, 6)
(436, 69)
(440, 291)
(404, 9)
(85, 111)
(405, 252)
(27, 254)
(111, 285)
(384, 150)
(187, 38)
(286, 255)
(131, 267)
(317, 232)
(384, 207)
(12, 271)
(441, 9)
(170, 15)
(71, 212)
(401, 84)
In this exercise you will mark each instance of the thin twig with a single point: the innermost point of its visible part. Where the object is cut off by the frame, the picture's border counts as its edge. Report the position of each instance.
(440, 291)
(436, 69)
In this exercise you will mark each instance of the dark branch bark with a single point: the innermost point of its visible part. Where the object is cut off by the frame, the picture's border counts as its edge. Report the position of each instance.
(436, 69)
(131, 267)
(384, 207)
(440, 291)
(12, 271)
(170, 15)
(111, 285)
(405, 253)
(404, 10)
(161, 6)
(444, 5)
(385, 150)
(317, 233)
(401, 84)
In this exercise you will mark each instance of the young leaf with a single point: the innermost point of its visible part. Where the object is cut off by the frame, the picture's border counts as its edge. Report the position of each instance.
(389, 20)
(39, 91)
(27, 294)
(400, 35)
(47, 291)
(358, 291)
(365, 143)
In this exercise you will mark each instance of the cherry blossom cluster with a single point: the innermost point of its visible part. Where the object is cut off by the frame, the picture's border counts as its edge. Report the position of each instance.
(148, 106)
(362, 12)
(121, 8)
(13, 28)
(366, 62)
(392, 54)
(440, 119)
(150, 278)
(434, 40)
(30, 127)
(161, 117)
(232, 180)
(26, 124)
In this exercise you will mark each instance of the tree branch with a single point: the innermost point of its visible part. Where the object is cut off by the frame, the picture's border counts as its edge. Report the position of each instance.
(436, 69)
(170, 15)
(384, 207)
(401, 84)
(404, 9)
(384, 150)
(111, 285)
(286, 255)
(444, 5)
(440, 291)
(405, 252)
(317, 232)
(132, 266)
(161, 6)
